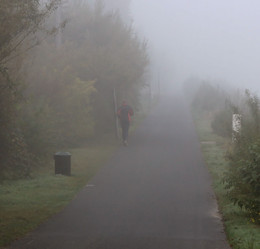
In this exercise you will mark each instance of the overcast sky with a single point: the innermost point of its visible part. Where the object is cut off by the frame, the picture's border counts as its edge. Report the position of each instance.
(211, 39)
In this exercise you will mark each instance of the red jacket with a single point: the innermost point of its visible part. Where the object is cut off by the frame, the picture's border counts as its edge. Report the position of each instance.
(124, 113)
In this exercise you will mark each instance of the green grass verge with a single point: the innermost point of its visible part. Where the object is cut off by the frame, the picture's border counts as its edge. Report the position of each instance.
(241, 232)
(24, 204)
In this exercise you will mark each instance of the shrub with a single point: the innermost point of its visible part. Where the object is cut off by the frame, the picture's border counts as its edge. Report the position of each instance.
(222, 123)
(18, 161)
(243, 177)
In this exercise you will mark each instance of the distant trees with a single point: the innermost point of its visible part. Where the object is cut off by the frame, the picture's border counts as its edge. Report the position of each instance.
(62, 95)
(209, 98)
(122, 5)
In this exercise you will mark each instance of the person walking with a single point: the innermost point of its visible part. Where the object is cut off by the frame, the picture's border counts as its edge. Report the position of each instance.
(124, 113)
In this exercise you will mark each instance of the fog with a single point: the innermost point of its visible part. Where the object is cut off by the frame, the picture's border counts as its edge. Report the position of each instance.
(212, 40)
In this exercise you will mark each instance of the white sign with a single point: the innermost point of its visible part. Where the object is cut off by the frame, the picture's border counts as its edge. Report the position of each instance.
(236, 123)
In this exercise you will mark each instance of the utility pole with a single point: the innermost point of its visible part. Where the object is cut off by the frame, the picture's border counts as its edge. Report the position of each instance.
(116, 118)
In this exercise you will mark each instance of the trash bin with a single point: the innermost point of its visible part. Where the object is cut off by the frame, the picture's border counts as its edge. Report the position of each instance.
(62, 163)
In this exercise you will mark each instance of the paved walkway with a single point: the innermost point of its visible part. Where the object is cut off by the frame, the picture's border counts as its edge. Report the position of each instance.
(154, 194)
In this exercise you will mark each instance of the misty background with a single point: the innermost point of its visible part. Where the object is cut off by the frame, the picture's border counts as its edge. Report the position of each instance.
(212, 40)
(63, 77)
(67, 65)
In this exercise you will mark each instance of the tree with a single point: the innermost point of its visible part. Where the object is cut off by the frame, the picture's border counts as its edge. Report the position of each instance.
(21, 20)
(118, 61)
(96, 47)
(67, 91)
(61, 98)
(123, 6)
(19, 23)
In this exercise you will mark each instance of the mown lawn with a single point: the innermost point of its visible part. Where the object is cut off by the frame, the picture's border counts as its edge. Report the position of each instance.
(241, 232)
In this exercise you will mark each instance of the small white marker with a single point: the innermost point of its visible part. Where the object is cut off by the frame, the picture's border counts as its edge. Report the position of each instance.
(90, 185)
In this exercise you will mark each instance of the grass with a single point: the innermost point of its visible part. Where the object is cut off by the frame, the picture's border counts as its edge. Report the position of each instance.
(24, 204)
(241, 232)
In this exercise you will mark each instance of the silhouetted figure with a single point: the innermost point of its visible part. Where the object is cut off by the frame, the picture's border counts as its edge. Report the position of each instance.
(124, 113)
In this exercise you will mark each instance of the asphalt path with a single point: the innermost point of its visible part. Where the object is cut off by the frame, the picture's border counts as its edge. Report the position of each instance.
(154, 194)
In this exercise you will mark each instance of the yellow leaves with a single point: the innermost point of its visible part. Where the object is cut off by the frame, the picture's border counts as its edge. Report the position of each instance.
(83, 87)
(79, 92)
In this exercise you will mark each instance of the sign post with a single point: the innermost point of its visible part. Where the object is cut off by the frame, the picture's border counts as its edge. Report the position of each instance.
(236, 126)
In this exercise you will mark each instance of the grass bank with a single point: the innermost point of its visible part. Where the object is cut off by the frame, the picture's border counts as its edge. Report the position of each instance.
(241, 232)
(24, 204)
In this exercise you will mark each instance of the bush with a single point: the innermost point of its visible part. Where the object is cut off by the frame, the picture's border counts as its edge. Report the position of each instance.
(14, 156)
(243, 177)
(222, 123)
(17, 161)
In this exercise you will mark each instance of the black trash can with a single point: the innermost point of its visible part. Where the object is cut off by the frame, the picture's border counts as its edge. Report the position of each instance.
(62, 163)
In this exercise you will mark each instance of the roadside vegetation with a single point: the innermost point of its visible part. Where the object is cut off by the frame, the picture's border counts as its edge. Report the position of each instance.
(58, 81)
(232, 158)
(58, 86)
